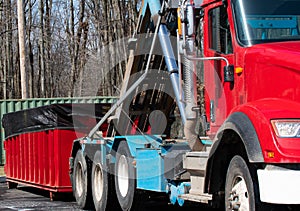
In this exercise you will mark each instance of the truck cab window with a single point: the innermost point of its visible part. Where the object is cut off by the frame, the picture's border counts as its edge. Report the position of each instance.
(220, 37)
(267, 21)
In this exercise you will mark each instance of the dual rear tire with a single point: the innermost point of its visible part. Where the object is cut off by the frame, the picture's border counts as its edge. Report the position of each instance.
(125, 180)
(81, 182)
(99, 183)
(108, 189)
(105, 189)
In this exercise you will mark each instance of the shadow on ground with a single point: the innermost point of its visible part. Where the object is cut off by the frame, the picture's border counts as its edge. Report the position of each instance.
(29, 198)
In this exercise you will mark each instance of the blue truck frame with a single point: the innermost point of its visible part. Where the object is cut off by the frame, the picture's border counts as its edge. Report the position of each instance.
(154, 165)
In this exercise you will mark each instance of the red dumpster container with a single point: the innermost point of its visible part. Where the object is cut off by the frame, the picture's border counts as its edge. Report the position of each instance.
(40, 159)
(39, 142)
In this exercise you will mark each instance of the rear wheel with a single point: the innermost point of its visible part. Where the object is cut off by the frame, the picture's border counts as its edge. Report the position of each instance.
(125, 181)
(81, 187)
(103, 188)
(99, 183)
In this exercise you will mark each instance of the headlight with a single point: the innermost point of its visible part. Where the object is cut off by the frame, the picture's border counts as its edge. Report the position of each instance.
(287, 128)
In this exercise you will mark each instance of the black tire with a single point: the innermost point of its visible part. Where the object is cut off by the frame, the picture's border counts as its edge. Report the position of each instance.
(238, 173)
(125, 180)
(103, 189)
(99, 183)
(239, 186)
(81, 183)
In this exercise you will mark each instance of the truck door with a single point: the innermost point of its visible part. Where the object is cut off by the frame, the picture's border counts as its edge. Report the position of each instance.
(217, 43)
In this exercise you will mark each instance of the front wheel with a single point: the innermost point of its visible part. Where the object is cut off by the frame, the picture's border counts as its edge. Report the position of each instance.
(239, 187)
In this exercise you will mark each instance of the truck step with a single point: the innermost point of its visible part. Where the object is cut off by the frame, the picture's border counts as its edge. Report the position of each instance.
(198, 154)
(195, 161)
(202, 198)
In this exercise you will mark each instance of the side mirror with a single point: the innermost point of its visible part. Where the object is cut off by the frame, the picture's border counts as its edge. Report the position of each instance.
(229, 73)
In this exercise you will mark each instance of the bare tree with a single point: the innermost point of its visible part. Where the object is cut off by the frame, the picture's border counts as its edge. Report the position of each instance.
(41, 49)
(61, 39)
(30, 74)
(21, 27)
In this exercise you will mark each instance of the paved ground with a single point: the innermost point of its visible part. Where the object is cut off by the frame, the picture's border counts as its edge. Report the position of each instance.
(27, 198)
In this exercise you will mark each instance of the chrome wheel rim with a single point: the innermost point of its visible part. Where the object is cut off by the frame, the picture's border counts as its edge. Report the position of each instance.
(98, 182)
(79, 179)
(123, 179)
(239, 196)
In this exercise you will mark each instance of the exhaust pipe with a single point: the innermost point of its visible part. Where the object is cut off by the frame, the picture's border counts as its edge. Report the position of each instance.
(190, 80)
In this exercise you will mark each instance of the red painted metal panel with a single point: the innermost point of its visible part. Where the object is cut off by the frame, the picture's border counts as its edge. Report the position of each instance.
(41, 159)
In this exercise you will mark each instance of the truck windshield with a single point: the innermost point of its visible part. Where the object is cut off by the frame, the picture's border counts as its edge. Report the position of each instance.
(262, 21)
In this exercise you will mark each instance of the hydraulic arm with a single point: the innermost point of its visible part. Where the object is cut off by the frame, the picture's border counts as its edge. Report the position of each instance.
(182, 77)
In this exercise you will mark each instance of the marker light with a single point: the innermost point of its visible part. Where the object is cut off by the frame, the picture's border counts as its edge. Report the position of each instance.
(287, 128)
(270, 154)
(239, 70)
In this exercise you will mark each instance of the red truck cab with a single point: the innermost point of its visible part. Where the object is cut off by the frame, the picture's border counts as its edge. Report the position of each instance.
(256, 115)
